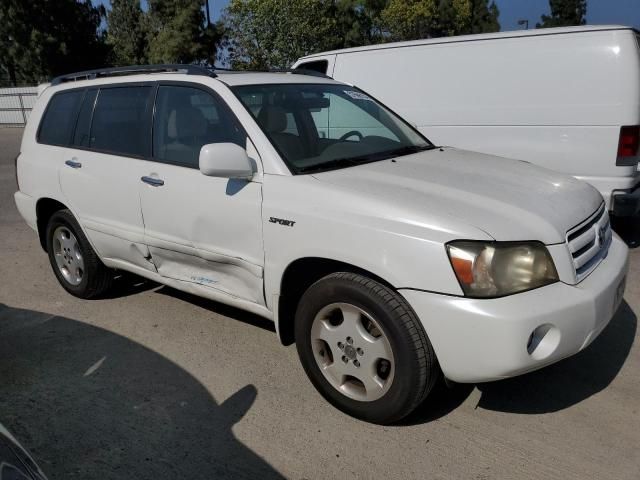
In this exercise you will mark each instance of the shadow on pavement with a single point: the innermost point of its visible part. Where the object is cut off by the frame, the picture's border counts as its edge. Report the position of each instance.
(441, 402)
(571, 381)
(219, 308)
(91, 404)
(126, 284)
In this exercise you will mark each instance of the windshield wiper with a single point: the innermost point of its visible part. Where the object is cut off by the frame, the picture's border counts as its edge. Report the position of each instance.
(335, 163)
(408, 150)
(361, 159)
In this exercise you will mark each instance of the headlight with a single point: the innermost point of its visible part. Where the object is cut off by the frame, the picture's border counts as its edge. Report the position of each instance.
(495, 269)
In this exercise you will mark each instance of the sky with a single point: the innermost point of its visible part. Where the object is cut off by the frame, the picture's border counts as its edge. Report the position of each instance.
(626, 12)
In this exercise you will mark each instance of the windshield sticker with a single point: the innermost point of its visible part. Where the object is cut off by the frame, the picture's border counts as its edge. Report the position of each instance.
(357, 95)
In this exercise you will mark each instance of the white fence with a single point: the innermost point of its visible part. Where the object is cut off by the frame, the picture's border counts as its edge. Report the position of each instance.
(16, 104)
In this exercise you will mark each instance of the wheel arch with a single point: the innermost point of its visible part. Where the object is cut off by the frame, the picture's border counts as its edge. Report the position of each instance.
(297, 277)
(45, 208)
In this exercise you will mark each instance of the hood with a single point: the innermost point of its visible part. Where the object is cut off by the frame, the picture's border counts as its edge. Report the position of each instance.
(507, 199)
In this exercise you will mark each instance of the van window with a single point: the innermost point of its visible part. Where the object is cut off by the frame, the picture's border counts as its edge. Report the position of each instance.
(59, 118)
(81, 135)
(317, 66)
(187, 118)
(120, 121)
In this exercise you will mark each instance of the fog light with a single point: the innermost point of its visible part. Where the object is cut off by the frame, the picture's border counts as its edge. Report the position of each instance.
(543, 341)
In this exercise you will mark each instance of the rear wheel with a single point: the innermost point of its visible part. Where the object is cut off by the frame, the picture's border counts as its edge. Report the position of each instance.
(363, 348)
(74, 262)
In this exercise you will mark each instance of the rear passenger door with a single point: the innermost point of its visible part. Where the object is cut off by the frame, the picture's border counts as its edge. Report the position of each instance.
(201, 230)
(100, 173)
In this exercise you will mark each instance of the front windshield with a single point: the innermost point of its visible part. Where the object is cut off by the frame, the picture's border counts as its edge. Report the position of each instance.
(317, 127)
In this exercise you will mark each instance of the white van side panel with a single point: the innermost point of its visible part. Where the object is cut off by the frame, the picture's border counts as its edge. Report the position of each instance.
(554, 100)
(571, 79)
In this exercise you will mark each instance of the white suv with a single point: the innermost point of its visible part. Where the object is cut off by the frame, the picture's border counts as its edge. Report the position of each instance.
(388, 260)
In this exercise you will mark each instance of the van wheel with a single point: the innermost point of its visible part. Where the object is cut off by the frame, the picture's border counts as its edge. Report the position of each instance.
(363, 348)
(74, 262)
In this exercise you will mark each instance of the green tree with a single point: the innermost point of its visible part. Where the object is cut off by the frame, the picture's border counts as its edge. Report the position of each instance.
(371, 11)
(178, 33)
(274, 33)
(454, 18)
(565, 13)
(414, 19)
(484, 17)
(357, 22)
(41, 38)
(410, 19)
(263, 34)
(127, 33)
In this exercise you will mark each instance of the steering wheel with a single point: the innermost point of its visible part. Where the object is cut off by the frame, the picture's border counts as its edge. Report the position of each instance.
(351, 134)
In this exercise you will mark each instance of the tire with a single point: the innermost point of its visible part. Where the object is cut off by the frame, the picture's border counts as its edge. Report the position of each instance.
(326, 314)
(74, 262)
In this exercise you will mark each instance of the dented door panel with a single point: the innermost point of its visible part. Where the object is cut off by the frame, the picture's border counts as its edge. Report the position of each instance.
(237, 279)
(205, 230)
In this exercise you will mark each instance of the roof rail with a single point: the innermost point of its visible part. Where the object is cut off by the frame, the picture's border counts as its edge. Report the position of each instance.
(297, 71)
(133, 70)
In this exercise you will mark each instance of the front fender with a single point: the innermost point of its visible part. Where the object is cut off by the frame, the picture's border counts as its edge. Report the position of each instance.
(304, 217)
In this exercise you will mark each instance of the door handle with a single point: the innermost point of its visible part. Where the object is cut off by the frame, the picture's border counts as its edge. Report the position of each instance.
(73, 163)
(154, 182)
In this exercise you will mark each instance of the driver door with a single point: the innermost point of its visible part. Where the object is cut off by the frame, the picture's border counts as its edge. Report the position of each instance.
(201, 230)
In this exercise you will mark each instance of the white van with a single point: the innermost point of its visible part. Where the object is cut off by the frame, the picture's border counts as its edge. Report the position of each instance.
(563, 98)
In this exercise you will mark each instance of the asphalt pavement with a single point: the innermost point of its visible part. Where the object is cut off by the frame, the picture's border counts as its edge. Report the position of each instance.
(152, 383)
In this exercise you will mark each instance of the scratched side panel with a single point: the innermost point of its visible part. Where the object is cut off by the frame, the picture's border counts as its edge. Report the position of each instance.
(237, 279)
(205, 230)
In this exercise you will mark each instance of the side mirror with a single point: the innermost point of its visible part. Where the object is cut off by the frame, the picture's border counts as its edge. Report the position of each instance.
(226, 160)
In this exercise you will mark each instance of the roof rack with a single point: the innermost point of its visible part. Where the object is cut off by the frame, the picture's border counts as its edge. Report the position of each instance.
(164, 68)
(297, 71)
(133, 70)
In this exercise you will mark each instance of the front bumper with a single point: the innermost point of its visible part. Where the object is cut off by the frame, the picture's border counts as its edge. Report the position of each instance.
(479, 340)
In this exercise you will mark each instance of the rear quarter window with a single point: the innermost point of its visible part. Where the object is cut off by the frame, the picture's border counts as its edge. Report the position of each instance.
(59, 118)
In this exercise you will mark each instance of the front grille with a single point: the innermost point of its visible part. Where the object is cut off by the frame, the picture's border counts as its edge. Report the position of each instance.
(589, 242)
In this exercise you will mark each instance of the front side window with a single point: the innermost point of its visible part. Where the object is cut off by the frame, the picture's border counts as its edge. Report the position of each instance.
(188, 118)
(121, 120)
(59, 118)
(318, 127)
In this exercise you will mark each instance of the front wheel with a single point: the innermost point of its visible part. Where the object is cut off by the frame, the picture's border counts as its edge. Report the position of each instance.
(74, 262)
(363, 348)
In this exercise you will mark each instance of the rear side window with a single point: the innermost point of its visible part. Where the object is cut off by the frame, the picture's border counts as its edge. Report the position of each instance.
(60, 117)
(187, 118)
(83, 126)
(121, 121)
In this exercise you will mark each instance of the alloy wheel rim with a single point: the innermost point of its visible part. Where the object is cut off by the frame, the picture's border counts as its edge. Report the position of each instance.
(352, 352)
(68, 256)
